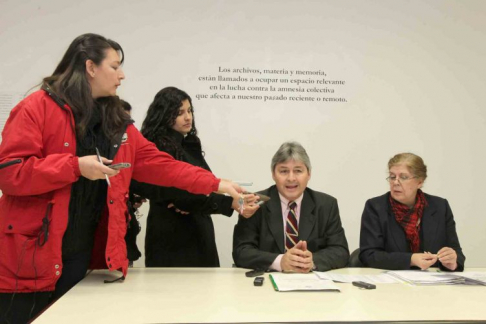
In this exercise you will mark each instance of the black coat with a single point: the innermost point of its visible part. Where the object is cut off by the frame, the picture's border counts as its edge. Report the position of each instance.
(258, 240)
(383, 243)
(177, 240)
(133, 228)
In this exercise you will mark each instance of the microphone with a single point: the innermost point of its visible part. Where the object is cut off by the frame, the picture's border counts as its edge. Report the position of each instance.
(9, 163)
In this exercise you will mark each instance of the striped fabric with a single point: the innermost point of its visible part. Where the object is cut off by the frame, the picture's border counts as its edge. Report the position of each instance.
(291, 228)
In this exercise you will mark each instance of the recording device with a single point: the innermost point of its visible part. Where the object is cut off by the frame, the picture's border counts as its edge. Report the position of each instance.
(262, 197)
(365, 285)
(258, 281)
(119, 166)
(254, 273)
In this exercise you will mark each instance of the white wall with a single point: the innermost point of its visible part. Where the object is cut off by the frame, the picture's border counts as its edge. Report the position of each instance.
(414, 73)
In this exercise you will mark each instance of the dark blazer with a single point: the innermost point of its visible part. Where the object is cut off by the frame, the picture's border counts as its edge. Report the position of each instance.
(258, 240)
(173, 239)
(383, 242)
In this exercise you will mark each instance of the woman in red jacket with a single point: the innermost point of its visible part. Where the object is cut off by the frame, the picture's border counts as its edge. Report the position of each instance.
(60, 204)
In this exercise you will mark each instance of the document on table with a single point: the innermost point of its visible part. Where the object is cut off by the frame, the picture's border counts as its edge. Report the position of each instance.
(301, 281)
(377, 278)
(420, 277)
(473, 278)
(414, 277)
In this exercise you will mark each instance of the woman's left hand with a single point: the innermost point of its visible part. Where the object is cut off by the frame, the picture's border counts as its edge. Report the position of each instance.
(448, 258)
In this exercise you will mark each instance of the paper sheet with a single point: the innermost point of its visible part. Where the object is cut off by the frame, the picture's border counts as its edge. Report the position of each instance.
(377, 278)
(297, 281)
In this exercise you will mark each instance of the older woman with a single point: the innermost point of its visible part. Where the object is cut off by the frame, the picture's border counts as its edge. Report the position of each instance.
(406, 228)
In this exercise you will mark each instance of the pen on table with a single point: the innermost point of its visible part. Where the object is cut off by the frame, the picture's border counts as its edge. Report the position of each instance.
(101, 161)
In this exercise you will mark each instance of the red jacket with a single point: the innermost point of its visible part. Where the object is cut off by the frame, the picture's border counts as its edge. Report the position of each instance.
(40, 133)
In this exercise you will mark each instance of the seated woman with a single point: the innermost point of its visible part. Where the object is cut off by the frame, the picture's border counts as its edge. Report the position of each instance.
(406, 228)
(180, 230)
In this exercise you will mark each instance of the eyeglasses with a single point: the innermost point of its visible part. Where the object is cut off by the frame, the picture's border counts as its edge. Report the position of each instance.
(401, 178)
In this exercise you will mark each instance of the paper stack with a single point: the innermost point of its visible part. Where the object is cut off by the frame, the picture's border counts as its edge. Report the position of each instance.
(473, 278)
(418, 277)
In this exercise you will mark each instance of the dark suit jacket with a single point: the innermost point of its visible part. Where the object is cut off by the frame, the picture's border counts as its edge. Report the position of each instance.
(258, 240)
(383, 243)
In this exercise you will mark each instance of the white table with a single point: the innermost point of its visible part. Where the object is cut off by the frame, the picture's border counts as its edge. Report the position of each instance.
(225, 295)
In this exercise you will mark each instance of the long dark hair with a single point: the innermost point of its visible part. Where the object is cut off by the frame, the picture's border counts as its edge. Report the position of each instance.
(70, 83)
(161, 116)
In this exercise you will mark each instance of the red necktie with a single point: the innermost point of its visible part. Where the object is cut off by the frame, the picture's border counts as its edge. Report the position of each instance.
(291, 228)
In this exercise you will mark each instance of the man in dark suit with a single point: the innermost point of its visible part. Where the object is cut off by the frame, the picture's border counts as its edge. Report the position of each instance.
(299, 229)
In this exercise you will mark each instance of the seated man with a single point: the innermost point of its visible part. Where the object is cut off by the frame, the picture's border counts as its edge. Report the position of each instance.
(299, 229)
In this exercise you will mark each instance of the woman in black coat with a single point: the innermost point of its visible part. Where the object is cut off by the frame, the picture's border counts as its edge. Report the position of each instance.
(180, 230)
(406, 228)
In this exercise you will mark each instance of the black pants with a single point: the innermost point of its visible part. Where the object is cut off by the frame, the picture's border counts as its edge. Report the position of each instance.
(74, 270)
(20, 308)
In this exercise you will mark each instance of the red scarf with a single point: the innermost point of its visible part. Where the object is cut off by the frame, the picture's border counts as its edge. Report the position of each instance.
(410, 218)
